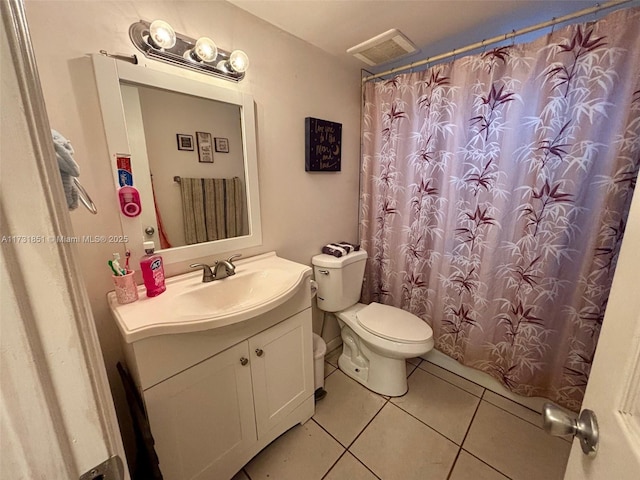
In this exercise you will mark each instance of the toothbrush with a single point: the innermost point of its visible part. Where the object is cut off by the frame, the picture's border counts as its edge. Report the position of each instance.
(115, 272)
(116, 264)
(128, 255)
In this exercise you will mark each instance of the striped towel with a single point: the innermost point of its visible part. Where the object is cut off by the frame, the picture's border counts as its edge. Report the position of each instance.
(340, 248)
(213, 209)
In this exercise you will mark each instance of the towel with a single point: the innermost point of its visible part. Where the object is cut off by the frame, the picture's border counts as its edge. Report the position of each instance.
(68, 168)
(212, 208)
(339, 249)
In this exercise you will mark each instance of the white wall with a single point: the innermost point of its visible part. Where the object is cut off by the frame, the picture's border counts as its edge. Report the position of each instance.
(289, 81)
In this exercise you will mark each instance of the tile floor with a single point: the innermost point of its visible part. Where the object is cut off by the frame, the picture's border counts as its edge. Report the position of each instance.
(444, 428)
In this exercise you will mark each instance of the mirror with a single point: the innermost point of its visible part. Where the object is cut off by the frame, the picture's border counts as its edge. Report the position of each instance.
(196, 176)
(193, 158)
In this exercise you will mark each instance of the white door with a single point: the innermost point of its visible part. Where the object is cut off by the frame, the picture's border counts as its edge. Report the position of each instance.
(56, 413)
(613, 391)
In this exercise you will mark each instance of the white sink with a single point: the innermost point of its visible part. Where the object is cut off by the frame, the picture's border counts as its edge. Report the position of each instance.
(261, 283)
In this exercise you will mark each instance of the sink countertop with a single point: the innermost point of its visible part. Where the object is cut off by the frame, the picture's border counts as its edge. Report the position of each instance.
(261, 283)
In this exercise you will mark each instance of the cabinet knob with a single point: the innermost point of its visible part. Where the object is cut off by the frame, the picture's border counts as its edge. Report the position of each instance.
(259, 352)
(243, 361)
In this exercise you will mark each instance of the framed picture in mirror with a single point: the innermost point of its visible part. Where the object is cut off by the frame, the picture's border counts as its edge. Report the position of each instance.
(222, 144)
(205, 147)
(185, 142)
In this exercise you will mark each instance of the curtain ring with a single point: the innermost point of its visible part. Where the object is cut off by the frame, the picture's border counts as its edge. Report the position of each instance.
(482, 44)
(513, 37)
(454, 54)
(553, 25)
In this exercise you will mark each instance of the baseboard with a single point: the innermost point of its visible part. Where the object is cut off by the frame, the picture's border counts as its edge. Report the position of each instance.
(483, 379)
(334, 344)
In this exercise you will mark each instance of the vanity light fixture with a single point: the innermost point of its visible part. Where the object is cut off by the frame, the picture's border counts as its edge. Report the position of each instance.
(157, 40)
(161, 35)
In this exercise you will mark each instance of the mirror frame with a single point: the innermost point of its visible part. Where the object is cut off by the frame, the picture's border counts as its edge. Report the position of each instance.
(109, 73)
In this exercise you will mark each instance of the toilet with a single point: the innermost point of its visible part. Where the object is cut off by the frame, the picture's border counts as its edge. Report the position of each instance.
(377, 339)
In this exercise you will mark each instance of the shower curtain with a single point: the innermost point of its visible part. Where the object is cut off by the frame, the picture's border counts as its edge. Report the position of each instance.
(494, 197)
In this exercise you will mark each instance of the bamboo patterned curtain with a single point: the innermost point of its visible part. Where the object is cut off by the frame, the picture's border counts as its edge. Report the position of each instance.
(495, 191)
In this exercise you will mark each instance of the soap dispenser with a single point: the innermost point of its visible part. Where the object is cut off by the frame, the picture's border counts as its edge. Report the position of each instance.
(152, 270)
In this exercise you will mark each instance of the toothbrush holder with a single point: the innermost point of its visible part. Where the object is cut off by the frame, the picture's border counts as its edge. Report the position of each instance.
(126, 288)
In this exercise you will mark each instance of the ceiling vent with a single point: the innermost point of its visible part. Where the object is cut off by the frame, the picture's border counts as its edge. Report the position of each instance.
(383, 48)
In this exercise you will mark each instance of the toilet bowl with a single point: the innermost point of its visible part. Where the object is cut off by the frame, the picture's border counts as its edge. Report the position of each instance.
(377, 339)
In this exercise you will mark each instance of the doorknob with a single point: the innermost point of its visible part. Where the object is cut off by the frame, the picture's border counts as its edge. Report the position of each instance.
(557, 422)
(149, 230)
(259, 352)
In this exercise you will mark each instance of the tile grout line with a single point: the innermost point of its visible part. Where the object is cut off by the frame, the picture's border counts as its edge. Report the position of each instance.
(362, 463)
(331, 372)
(451, 383)
(471, 422)
(361, 432)
(346, 449)
(328, 433)
(429, 426)
(473, 417)
(482, 397)
(334, 463)
(487, 464)
(386, 401)
(514, 414)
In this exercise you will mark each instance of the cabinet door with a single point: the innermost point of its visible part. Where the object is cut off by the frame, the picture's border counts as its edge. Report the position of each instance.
(203, 417)
(282, 369)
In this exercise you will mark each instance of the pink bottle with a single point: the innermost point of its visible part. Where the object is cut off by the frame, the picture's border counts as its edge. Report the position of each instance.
(152, 270)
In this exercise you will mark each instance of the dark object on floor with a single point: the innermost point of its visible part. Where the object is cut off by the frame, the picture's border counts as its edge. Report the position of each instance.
(320, 394)
(146, 463)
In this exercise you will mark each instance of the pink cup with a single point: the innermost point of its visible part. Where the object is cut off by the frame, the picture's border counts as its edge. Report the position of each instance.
(126, 288)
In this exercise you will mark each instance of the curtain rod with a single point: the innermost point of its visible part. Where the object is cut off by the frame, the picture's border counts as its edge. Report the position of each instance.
(499, 38)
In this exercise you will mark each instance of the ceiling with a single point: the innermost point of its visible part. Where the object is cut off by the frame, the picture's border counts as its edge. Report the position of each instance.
(435, 26)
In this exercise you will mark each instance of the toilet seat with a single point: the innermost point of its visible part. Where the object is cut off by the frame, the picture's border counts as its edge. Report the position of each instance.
(393, 323)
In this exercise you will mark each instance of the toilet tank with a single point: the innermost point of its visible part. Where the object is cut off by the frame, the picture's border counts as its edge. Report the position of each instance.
(339, 279)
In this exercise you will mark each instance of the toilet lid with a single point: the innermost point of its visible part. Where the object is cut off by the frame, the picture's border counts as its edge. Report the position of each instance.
(393, 324)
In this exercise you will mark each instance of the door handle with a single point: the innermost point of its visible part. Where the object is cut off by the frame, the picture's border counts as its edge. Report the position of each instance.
(558, 423)
(259, 352)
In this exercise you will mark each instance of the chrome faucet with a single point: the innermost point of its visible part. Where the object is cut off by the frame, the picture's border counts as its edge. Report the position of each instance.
(209, 275)
(229, 268)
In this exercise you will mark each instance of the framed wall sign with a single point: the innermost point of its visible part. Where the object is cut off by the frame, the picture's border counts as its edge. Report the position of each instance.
(185, 142)
(222, 144)
(323, 145)
(205, 147)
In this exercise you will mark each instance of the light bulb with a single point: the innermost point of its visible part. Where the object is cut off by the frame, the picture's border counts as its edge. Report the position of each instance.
(239, 61)
(205, 50)
(161, 34)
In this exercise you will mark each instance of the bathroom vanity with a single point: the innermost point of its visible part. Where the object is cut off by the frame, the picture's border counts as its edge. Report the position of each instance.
(223, 368)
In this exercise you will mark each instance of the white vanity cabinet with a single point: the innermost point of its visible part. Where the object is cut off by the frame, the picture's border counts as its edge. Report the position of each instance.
(216, 397)
(206, 419)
